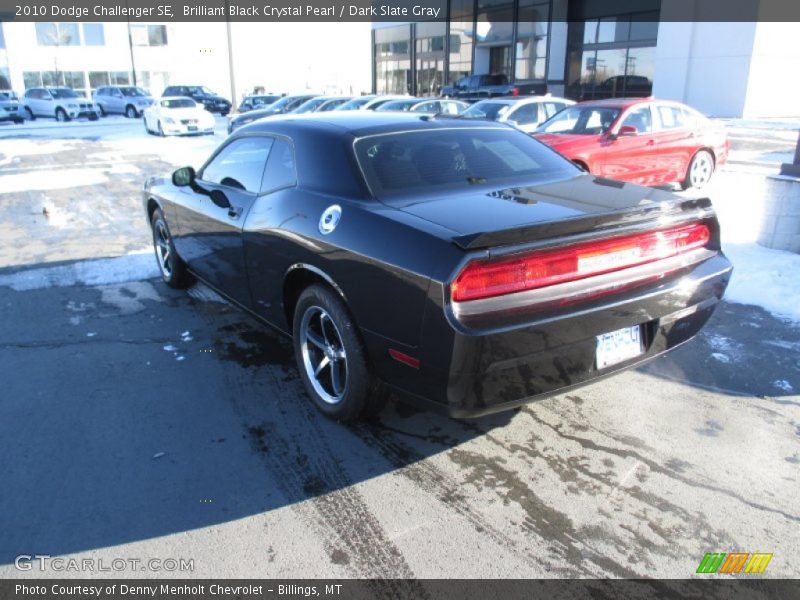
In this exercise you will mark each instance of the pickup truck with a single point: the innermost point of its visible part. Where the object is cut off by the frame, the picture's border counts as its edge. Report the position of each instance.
(478, 87)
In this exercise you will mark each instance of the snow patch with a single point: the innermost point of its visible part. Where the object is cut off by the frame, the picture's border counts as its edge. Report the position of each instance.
(723, 358)
(102, 271)
(66, 178)
(128, 298)
(765, 277)
(170, 348)
(782, 384)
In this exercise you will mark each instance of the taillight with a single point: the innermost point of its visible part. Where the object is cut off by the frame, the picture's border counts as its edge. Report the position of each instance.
(515, 91)
(496, 277)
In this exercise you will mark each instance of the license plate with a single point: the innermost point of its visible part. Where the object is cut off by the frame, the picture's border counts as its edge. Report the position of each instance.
(192, 127)
(618, 346)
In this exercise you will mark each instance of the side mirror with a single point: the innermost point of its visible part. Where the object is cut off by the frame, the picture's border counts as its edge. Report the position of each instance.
(183, 177)
(627, 130)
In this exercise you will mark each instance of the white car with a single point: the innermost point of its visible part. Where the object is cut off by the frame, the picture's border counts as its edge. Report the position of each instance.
(525, 113)
(177, 115)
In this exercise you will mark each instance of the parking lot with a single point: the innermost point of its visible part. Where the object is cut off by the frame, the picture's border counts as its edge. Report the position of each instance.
(140, 422)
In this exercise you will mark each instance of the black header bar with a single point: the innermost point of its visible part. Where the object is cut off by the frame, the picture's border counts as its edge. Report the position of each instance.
(275, 11)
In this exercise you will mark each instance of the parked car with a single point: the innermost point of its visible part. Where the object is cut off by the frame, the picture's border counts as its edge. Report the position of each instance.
(62, 103)
(332, 103)
(525, 113)
(177, 116)
(9, 107)
(464, 265)
(310, 105)
(211, 101)
(284, 105)
(477, 87)
(368, 102)
(646, 141)
(630, 86)
(256, 102)
(128, 100)
(433, 106)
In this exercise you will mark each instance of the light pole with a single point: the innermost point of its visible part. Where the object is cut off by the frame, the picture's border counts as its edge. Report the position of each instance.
(793, 169)
(230, 53)
(130, 42)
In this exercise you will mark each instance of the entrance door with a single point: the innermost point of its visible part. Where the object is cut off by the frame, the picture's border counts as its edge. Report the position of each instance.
(500, 60)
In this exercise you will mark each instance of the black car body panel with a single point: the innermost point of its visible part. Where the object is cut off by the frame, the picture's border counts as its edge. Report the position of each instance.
(210, 101)
(393, 261)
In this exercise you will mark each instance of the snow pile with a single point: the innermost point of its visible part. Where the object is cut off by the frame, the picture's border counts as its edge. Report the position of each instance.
(120, 269)
(53, 180)
(765, 277)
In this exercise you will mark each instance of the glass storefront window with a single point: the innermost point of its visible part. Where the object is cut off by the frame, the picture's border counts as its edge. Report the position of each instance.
(393, 60)
(531, 48)
(429, 58)
(93, 34)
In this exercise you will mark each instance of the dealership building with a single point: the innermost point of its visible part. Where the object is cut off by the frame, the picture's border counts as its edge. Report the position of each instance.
(585, 49)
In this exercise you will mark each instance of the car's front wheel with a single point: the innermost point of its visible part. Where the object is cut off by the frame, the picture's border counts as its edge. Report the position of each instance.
(173, 269)
(330, 356)
(61, 115)
(130, 112)
(700, 170)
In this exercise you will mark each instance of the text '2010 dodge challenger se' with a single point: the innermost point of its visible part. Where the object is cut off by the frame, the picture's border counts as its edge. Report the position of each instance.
(465, 266)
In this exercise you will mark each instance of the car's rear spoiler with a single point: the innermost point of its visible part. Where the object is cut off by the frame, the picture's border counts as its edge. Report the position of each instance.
(657, 213)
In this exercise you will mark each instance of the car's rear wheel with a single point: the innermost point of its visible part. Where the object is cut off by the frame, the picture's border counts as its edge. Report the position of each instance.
(700, 170)
(173, 269)
(130, 112)
(61, 115)
(330, 356)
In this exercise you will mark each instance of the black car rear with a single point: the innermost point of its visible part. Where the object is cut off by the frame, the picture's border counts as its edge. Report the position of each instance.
(211, 101)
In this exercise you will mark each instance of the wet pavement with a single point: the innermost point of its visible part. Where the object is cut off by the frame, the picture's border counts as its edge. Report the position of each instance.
(141, 422)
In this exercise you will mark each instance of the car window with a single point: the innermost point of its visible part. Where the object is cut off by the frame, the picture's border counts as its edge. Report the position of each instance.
(581, 120)
(525, 114)
(486, 110)
(449, 108)
(240, 164)
(671, 117)
(422, 162)
(426, 107)
(641, 118)
(280, 171)
(551, 108)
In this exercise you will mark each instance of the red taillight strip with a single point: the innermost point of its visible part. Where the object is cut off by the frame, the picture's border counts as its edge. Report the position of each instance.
(482, 279)
(582, 290)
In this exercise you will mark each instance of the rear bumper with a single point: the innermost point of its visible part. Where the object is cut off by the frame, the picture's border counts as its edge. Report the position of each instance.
(497, 369)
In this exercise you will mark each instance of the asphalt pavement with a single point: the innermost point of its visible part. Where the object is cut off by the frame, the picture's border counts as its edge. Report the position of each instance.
(139, 422)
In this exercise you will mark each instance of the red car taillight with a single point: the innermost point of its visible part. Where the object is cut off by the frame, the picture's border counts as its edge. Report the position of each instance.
(488, 278)
(515, 91)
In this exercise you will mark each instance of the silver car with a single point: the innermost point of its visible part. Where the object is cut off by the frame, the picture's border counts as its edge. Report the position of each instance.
(523, 112)
(62, 103)
(9, 107)
(127, 100)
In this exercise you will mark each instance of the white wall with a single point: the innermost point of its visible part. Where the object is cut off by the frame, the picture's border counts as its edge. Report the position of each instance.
(774, 86)
(705, 65)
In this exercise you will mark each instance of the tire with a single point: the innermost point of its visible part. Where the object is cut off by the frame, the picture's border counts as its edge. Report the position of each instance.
(146, 128)
(61, 115)
(94, 117)
(700, 170)
(173, 270)
(161, 130)
(102, 110)
(326, 341)
(130, 112)
(31, 116)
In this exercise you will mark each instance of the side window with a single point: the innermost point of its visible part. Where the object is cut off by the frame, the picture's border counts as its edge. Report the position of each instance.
(672, 117)
(281, 171)
(525, 114)
(240, 164)
(449, 108)
(427, 107)
(641, 118)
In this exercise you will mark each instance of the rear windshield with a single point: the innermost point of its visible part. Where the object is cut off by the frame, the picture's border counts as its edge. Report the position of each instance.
(419, 162)
(179, 103)
(486, 110)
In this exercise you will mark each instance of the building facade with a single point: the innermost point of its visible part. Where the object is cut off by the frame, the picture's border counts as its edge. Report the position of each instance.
(85, 56)
(585, 49)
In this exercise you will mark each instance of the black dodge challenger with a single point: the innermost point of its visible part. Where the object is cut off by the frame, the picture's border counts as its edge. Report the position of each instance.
(465, 266)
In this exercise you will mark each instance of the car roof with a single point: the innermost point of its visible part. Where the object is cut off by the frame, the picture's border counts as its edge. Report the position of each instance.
(366, 123)
(618, 102)
(521, 99)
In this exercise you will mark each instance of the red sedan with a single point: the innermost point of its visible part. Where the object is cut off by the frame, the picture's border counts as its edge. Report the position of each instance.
(642, 140)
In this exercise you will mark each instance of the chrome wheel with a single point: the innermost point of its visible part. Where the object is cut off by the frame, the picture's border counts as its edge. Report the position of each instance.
(323, 354)
(163, 249)
(701, 169)
(61, 115)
